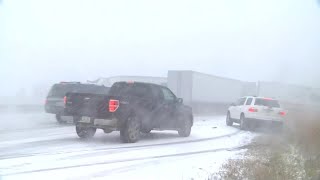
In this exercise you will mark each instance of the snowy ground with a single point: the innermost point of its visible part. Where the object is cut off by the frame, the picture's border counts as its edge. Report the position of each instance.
(34, 146)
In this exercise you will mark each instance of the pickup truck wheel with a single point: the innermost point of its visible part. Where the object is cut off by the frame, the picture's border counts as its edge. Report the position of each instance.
(131, 132)
(243, 123)
(185, 127)
(229, 121)
(59, 119)
(85, 132)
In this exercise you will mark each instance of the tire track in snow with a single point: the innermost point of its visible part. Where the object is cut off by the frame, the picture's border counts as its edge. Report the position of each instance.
(45, 126)
(126, 160)
(5, 157)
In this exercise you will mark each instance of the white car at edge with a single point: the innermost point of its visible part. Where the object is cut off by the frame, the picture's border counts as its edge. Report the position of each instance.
(249, 110)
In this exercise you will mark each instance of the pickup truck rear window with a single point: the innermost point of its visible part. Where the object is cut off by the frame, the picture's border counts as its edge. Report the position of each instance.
(266, 102)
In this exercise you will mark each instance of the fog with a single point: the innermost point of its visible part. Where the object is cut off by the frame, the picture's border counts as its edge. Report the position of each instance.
(205, 129)
(42, 42)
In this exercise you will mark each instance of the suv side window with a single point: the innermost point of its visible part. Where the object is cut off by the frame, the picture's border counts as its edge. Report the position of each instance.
(167, 94)
(241, 101)
(249, 101)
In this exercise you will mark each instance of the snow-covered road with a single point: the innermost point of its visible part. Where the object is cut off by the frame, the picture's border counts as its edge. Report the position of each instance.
(34, 146)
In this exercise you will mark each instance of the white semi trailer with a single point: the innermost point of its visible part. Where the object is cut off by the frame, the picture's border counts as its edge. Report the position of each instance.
(109, 81)
(208, 92)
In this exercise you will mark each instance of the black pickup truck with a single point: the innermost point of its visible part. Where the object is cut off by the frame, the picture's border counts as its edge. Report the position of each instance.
(131, 108)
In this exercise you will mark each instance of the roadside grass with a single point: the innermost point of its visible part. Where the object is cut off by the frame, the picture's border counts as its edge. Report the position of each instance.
(292, 154)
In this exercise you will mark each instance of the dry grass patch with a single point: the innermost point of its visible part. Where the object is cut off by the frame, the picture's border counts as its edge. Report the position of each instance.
(293, 154)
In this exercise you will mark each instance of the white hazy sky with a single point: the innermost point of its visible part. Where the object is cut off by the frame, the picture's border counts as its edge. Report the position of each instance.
(44, 41)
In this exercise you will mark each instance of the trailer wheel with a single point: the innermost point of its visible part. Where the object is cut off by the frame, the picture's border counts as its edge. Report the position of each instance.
(85, 132)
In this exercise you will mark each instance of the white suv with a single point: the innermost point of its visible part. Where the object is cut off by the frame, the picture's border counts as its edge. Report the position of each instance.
(249, 110)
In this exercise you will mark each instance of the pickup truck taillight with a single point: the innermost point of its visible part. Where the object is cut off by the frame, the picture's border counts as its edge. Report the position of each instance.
(113, 105)
(252, 109)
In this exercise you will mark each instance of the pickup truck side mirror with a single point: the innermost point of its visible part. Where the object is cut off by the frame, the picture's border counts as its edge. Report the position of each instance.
(179, 100)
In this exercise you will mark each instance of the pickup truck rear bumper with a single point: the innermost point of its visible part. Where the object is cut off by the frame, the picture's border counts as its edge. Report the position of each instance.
(84, 121)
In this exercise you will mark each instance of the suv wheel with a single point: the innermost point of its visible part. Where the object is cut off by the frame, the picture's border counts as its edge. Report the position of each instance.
(59, 119)
(229, 121)
(185, 127)
(131, 132)
(85, 132)
(243, 122)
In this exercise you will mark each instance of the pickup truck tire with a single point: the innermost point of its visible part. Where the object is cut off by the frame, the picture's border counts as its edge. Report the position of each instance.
(85, 132)
(185, 126)
(59, 119)
(229, 121)
(131, 132)
(243, 122)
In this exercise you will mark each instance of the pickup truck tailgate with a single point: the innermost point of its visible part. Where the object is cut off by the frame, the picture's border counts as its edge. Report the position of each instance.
(92, 105)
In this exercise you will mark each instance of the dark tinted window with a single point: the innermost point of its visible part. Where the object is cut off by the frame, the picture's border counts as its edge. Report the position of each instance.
(249, 101)
(157, 93)
(266, 102)
(131, 89)
(168, 95)
(60, 90)
(240, 101)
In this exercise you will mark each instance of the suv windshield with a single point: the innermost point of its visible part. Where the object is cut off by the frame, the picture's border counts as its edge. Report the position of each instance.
(267, 102)
(60, 90)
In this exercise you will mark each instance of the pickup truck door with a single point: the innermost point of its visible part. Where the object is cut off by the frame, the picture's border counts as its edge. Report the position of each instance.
(158, 108)
(169, 107)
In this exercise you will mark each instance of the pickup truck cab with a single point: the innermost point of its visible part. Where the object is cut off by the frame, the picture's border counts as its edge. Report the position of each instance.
(250, 110)
(55, 101)
(131, 108)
